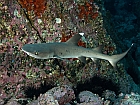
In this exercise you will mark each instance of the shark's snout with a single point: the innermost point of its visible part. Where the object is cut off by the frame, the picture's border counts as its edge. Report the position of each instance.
(40, 51)
(27, 48)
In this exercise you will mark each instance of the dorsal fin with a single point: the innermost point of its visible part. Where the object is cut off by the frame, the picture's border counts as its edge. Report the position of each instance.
(74, 40)
(98, 49)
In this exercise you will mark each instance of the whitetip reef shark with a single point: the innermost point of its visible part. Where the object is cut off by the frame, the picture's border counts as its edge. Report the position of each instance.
(69, 49)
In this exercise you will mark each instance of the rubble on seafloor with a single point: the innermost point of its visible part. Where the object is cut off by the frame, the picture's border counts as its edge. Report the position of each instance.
(23, 22)
(62, 95)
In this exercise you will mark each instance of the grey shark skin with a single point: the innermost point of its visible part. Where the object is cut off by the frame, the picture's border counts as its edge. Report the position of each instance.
(69, 49)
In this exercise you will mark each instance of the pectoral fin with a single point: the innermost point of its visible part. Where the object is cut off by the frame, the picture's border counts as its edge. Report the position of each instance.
(82, 59)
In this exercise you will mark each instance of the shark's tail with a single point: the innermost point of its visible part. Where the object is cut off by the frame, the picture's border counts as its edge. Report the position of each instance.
(115, 58)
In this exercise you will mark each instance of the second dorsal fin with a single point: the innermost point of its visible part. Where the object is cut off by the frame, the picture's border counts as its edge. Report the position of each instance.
(98, 49)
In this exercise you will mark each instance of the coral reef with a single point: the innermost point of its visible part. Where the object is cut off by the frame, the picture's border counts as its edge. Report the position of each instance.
(125, 99)
(63, 94)
(37, 6)
(88, 97)
(36, 21)
(56, 96)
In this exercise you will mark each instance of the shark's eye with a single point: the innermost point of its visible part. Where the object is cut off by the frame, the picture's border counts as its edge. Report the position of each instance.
(36, 53)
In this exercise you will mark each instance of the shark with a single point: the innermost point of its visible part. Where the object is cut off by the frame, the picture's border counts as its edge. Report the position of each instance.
(69, 49)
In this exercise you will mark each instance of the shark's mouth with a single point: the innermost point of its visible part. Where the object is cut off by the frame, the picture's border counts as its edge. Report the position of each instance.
(30, 54)
(27, 53)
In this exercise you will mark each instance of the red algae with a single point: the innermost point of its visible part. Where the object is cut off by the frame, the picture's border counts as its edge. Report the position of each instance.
(87, 11)
(38, 6)
(65, 37)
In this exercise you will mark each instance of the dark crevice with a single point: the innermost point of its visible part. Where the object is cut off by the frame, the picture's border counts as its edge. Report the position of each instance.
(97, 85)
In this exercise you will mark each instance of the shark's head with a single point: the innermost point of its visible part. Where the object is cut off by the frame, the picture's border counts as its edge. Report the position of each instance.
(40, 51)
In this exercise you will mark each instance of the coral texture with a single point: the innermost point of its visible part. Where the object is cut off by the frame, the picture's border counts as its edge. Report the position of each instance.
(55, 96)
(45, 21)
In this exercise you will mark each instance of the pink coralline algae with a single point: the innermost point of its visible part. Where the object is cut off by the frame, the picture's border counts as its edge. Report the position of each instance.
(87, 97)
(24, 22)
(128, 99)
(56, 96)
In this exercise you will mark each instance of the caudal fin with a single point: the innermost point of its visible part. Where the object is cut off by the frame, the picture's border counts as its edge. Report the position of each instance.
(115, 58)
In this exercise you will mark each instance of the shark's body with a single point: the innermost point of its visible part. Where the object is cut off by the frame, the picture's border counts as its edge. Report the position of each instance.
(68, 49)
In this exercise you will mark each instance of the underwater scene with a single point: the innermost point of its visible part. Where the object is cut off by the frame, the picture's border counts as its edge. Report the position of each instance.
(69, 52)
